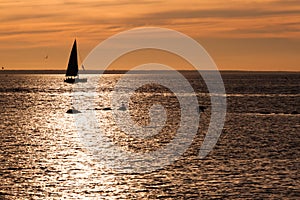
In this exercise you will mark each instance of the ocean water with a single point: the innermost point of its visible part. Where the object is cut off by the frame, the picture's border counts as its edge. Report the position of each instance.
(256, 156)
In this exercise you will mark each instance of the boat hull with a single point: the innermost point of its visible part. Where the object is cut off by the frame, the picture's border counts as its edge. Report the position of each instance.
(75, 80)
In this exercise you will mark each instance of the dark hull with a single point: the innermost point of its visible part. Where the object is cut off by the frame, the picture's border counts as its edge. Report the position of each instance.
(69, 80)
(75, 80)
(73, 111)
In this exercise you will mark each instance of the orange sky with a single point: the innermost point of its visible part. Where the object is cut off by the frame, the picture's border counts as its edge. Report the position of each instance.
(238, 34)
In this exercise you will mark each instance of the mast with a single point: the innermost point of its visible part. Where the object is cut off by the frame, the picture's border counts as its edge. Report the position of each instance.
(72, 69)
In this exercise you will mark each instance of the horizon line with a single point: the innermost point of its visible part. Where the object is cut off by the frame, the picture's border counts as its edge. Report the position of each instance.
(113, 71)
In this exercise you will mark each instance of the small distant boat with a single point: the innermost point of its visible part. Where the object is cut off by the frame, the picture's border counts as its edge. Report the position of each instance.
(73, 111)
(72, 75)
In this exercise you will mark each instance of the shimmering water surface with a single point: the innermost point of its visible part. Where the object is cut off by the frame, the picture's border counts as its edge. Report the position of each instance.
(257, 155)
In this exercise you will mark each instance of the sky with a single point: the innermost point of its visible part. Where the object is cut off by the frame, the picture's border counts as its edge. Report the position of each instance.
(238, 34)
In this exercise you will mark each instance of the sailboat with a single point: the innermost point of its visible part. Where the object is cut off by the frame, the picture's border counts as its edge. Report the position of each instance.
(72, 70)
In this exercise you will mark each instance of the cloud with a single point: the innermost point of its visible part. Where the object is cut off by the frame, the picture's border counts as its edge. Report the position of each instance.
(283, 2)
(26, 16)
(109, 3)
(89, 18)
(219, 13)
(11, 32)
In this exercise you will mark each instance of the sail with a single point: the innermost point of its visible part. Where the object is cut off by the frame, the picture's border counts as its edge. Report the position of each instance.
(73, 62)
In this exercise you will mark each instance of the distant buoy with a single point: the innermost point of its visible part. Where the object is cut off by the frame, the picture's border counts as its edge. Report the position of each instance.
(122, 108)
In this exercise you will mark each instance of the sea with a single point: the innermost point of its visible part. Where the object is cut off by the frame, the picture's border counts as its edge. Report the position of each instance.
(257, 155)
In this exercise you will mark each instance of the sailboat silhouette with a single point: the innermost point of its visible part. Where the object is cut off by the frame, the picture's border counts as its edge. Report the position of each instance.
(72, 75)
